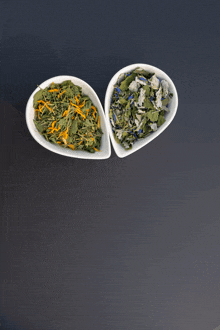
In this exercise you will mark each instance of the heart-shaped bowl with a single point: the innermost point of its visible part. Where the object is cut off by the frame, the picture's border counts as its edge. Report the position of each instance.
(173, 104)
(105, 148)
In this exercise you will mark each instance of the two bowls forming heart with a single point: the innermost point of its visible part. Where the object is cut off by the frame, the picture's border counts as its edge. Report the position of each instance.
(104, 116)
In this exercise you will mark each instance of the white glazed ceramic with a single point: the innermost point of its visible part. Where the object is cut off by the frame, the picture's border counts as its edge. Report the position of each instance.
(173, 104)
(105, 149)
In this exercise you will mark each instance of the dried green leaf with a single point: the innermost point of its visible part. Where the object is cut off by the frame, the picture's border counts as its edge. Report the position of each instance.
(122, 101)
(161, 120)
(74, 127)
(165, 101)
(40, 127)
(153, 115)
(125, 83)
(68, 92)
(147, 90)
(37, 97)
(148, 104)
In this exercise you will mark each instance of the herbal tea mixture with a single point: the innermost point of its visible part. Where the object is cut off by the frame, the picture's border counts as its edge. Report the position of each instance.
(64, 116)
(138, 105)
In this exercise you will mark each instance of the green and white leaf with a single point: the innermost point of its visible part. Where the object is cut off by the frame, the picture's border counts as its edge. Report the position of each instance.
(165, 87)
(154, 82)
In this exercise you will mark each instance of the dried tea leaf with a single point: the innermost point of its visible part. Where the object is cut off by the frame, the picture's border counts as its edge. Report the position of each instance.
(122, 101)
(161, 120)
(148, 104)
(37, 97)
(74, 127)
(67, 117)
(40, 127)
(165, 101)
(137, 106)
(147, 90)
(125, 83)
(153, 115)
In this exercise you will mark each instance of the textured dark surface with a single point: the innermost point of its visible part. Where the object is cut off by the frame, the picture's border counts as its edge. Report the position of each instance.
(127, 243)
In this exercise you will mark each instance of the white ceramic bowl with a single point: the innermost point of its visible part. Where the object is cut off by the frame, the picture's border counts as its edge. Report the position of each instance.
(173, 104)
(105, 148)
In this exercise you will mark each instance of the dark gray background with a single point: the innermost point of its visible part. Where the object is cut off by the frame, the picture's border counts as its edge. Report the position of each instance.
(127, 243)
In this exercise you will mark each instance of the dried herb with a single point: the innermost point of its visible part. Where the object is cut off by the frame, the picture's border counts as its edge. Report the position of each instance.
(67, 117)
(138, 105)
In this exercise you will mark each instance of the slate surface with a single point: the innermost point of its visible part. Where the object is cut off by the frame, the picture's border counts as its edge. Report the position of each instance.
(127, 243)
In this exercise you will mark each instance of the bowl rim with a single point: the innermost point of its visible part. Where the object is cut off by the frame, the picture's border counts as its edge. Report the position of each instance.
(119, 150)
(56, 149)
